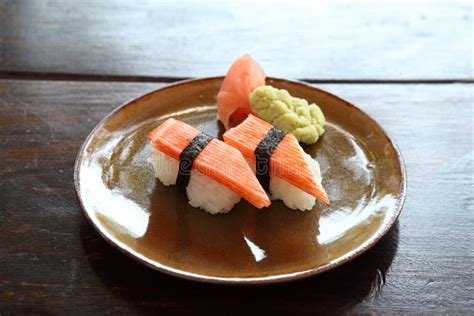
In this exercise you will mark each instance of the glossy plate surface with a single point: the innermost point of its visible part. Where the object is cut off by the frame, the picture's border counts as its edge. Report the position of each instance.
(363, 174)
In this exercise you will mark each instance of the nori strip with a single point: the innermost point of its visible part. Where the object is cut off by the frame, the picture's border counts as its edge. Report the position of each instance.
(264, 152)
(187, 157)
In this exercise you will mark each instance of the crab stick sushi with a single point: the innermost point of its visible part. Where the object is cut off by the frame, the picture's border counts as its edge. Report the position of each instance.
(193, 160)
(281, 165)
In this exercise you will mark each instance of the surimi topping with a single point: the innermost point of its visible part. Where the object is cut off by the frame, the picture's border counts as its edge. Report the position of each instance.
(216, 159)
(287, 160)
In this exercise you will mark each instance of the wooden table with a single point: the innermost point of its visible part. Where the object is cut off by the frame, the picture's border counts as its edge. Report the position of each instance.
(64, 65)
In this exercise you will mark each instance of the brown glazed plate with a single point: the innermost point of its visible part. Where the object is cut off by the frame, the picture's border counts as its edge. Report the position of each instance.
(363, 173)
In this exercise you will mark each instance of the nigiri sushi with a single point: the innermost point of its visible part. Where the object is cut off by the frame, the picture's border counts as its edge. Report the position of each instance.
(193, 160)
(281, 165)
(233, 98)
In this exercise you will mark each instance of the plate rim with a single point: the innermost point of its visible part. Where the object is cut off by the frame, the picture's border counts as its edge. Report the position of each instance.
(259, 280)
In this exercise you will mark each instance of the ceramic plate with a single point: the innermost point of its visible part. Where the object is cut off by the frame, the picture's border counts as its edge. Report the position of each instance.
(363, 174)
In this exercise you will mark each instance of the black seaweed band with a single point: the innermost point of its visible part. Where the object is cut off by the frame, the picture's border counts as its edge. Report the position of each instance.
(187, 157)
(263, 153)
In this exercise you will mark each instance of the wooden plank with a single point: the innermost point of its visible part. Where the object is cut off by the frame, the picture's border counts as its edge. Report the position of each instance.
(340, 40)
(52, 261)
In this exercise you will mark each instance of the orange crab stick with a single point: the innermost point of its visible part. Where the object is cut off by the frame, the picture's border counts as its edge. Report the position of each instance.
(287, 161)
(218, 160)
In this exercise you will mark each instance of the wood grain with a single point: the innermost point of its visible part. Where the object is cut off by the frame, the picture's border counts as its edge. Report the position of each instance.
(337, 40)
(52, 261)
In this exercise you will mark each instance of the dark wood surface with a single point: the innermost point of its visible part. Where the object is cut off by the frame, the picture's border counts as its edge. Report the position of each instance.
(52, 260)
(71, 60)
(340, 40)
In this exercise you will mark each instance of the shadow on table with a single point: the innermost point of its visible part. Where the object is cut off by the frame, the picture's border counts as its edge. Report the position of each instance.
(144, 289)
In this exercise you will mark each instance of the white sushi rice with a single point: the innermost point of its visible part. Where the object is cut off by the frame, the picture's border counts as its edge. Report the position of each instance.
(202, 191)
(292, 196)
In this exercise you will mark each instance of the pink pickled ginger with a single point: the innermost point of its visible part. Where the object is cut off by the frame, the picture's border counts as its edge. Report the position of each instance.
(233, 99)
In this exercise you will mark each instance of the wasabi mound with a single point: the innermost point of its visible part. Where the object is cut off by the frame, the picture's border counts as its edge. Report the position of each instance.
(290, 114)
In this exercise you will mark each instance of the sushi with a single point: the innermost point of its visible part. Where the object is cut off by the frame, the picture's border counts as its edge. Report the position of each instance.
(233, 98)
(281, 165)
(193, 160)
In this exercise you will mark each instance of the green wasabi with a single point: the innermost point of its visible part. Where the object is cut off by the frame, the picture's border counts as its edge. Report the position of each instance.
(290, 114)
